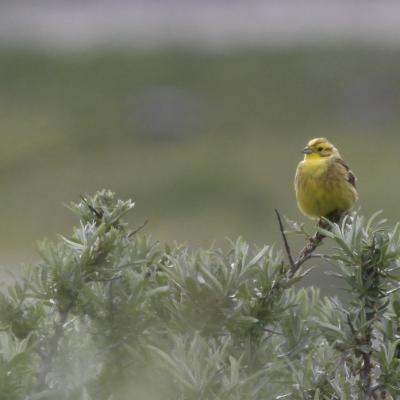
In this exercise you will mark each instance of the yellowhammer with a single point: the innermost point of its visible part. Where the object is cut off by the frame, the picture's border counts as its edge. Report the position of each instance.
(325, 185)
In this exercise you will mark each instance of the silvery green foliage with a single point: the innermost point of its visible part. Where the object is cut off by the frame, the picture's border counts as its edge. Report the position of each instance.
(110, 314)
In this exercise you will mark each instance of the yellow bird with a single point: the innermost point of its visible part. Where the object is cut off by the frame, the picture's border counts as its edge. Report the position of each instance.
(324, 184)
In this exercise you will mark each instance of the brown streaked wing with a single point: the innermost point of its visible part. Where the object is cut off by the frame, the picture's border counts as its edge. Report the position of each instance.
(347, 172)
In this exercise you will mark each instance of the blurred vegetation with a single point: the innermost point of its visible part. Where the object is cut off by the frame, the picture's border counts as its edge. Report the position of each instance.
(206, 143)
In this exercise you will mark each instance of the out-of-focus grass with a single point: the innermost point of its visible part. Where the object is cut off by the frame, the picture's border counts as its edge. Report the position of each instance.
(206, 143)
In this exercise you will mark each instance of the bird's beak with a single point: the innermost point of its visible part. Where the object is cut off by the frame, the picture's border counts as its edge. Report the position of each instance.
(307, 150)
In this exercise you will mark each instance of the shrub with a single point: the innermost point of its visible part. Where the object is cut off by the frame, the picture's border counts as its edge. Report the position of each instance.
(108, 313)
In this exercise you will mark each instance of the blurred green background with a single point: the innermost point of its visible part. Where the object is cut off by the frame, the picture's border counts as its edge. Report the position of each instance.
(205, 142)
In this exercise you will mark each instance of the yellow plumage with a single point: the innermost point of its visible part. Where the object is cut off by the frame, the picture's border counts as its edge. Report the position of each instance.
(325, 186)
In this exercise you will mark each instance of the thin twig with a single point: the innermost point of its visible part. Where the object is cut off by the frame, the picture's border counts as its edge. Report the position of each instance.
(139, 228)
(285, 241)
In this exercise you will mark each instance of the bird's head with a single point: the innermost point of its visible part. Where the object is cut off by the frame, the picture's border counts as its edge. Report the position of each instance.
(319, 148)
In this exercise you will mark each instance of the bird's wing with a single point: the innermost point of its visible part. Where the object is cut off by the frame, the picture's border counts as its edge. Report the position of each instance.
(346, 171)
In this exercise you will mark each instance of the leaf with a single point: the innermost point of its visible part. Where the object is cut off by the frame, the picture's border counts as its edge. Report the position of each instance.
(258, 257)
(158, 290)
(332, 328)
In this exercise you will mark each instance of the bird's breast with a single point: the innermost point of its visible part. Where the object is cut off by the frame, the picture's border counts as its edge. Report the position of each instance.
(320, 190)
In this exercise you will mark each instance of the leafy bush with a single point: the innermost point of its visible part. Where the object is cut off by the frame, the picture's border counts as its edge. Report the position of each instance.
(111, 314)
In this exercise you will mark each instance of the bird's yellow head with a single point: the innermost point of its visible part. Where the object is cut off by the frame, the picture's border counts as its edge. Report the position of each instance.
(319, 148)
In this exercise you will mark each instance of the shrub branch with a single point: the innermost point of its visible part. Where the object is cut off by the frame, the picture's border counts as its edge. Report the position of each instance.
(48, 355)
(305, 254)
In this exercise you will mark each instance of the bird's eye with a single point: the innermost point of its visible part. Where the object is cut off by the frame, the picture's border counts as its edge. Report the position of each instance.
(320, 148)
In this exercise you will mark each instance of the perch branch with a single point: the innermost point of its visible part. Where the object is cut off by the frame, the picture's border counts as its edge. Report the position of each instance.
(305, 254)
